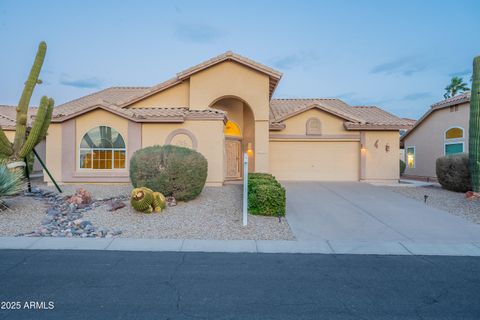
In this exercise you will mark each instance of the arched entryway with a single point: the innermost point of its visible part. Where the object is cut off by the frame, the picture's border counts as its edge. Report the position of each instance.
(239, 134)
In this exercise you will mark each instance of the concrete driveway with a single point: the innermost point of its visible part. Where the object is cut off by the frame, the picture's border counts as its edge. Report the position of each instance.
(354, 211)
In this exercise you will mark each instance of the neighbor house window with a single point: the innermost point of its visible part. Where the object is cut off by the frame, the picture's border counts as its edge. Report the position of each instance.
(313, 126)
(411, 157)
(102, 148)
(454, 141)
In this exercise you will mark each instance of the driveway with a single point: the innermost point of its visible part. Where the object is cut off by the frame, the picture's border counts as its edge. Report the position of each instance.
(354, 211)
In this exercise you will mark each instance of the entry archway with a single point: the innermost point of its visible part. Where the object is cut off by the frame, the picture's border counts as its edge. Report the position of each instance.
(239, 134)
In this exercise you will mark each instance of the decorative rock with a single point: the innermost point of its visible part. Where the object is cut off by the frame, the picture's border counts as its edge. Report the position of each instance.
(81, 196)
(115, 204)
(171, 201)
(470, 195)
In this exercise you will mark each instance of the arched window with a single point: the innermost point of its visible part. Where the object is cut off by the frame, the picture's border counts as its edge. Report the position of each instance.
(313, 126)
(454, 140)
(102, 148)
(231, 129)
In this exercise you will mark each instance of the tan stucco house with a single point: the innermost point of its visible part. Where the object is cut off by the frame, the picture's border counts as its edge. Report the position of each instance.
(442, 130)
(222, 108)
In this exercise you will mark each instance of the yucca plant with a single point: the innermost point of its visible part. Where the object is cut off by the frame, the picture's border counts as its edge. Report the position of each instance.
(11, 183)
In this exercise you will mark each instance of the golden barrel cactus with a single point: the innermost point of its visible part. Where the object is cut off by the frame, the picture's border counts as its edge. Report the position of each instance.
(147, 201)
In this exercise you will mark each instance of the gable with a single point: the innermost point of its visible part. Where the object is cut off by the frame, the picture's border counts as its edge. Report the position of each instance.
(329, 124)
(231, 80)
(177, 95)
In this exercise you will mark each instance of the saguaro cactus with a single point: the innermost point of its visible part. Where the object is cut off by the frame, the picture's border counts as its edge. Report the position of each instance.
(23, 144)
(474, 131)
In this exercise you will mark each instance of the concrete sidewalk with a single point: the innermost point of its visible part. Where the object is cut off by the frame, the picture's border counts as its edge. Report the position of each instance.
(251, 246)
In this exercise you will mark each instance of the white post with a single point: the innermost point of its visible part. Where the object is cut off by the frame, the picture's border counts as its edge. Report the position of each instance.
(245, 189)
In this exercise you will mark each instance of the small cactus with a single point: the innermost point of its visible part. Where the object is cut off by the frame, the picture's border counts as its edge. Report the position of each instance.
(147, 201)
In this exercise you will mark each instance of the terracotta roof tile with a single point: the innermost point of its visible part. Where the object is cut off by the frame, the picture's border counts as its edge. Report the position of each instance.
(8, 115)
(453, 101)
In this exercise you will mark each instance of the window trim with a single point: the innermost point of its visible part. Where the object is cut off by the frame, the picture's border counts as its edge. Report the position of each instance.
(414, 156)
(454, 140)
(79, 149)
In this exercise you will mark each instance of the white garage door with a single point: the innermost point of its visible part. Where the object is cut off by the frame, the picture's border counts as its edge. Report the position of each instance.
(315, 161)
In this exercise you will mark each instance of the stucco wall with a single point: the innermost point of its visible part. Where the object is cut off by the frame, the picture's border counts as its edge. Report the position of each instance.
(230, 79)
(330, 124)
(428, 138)
(176, 96)
(378, 164)
(209, 138)
(54, 152)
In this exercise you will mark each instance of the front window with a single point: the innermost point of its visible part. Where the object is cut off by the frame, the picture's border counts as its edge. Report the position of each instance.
(454, 141)
(411, 157)
(102, 148)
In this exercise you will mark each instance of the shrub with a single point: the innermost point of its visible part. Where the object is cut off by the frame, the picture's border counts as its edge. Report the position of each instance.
(266, 196)
(453, 172)
(173, 171)
(260, 175)
(402, 167)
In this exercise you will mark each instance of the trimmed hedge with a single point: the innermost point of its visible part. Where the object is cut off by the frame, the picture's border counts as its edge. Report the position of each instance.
(171, 170)
(403, 166)
(453, 172)
(266, 196)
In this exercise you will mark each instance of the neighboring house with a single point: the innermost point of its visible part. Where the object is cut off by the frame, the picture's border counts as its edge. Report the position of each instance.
(223, 108)
(8, 115)
(442, 130)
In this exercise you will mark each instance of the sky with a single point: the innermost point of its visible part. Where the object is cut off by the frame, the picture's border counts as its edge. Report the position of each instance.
(398, 55)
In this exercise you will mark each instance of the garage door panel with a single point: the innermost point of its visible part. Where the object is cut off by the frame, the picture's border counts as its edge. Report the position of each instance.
(315, 161)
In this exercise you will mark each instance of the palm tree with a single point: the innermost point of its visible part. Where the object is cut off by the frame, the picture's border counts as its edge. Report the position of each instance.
(456, 86)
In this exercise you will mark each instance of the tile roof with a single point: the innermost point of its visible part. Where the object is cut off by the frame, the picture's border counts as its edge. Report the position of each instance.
(273, 74)
(8, 115)
(113, 95)
(460, 99)
(358, 117)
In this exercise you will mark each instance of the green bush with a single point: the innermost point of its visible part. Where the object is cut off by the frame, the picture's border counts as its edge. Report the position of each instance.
(453, 172)
(266, 196)
(402, 167)
(171, 170)
(260, 175)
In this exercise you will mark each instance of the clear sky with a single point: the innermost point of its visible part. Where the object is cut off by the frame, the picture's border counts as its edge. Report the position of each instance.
(398, 55)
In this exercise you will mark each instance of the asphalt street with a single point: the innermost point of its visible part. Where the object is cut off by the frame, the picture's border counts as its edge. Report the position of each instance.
(41, 284)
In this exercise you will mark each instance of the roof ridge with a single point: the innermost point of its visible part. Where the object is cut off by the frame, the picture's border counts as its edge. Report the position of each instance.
(83, 97)
(306, 99)
(129, 87)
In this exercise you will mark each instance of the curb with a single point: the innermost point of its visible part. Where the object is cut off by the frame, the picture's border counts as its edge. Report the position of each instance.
(245, 246)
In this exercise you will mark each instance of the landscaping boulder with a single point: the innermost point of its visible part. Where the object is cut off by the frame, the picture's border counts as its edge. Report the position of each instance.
(81, 197)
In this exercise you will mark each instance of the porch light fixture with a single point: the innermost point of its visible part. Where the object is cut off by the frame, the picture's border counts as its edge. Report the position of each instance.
(363, 148)
(249, 149)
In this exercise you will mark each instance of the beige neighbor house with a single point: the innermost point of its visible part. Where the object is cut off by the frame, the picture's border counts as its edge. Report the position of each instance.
(223, 108)
(442, 130)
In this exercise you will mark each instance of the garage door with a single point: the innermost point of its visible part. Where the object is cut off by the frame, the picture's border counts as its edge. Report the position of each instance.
(316, 161)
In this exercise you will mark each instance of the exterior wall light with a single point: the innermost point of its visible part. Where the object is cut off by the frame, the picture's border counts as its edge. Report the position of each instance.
(249, 149)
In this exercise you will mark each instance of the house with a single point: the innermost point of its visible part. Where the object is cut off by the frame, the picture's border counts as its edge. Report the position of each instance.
(442, 130)
(8, 116)
(223, 108)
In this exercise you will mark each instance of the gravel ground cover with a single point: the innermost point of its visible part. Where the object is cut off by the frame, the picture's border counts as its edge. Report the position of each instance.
(23, 215)
(453, 202)
(215, 214)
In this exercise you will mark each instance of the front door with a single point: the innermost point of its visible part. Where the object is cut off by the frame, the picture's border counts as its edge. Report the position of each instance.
(233, 148)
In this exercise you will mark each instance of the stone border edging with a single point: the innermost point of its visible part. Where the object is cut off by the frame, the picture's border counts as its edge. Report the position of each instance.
(246, 246)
